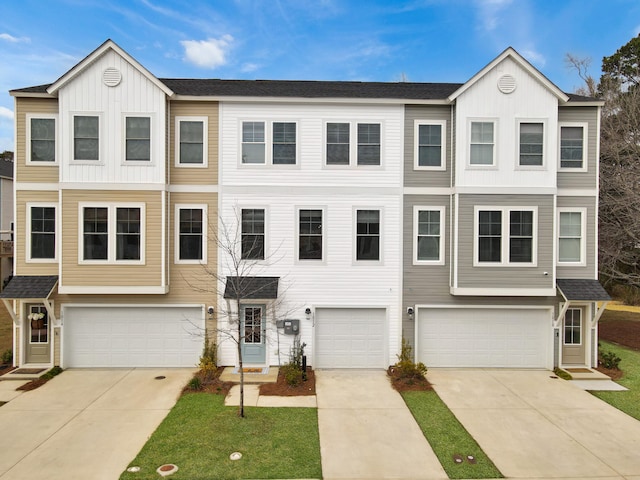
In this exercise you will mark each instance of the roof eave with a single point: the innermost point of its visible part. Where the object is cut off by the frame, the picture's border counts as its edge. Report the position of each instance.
(259, 99)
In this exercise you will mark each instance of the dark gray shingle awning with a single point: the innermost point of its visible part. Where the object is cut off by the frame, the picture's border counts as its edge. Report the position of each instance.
(30, 287)
(251, 288)
(582, 289)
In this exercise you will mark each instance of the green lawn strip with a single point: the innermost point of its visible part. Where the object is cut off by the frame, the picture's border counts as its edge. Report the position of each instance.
(629, 401)
(200, 433)
(448, 437)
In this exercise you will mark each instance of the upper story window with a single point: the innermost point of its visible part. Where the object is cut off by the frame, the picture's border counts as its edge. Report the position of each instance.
(284, 143)
(253, 233)
(368, 144)
(191, 141)
(310, 234)
(138, 139)
(429, 145)
(191, 233)
(505, 236)
(272, 143)
(41, 237)
(41, 142)
(573, 153)
(531, 144)
(338, 143)
(482, 151)
(86, 137)
(367, 234)
(428, 235)
(346, 141)
(112, 233)
(253, 142)
(571, 236)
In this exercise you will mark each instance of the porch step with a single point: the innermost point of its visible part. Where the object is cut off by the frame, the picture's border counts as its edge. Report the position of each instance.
(251, 376)
(583, 373)
(24, 374)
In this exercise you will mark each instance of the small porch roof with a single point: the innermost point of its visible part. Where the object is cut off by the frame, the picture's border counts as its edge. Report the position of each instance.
(35, 287)
(582, 289)
(251, 288)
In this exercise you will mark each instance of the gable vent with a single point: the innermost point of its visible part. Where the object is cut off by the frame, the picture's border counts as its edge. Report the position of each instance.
(111, 77)
(506, 83)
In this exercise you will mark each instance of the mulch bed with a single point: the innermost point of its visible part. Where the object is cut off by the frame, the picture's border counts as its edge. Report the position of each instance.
(621, 332)
(33, 384)
(282, 389)
(401, 384)
(211, 383)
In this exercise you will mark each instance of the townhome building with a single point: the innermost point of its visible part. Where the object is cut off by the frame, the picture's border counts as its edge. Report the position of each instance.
(346, 216)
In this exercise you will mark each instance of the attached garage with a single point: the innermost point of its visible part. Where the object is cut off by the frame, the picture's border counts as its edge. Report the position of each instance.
(132, 336)
(350, 338)
(484, 337)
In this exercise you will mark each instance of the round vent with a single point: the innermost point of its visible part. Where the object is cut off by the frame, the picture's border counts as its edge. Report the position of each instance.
(111, 77)
(506, 83)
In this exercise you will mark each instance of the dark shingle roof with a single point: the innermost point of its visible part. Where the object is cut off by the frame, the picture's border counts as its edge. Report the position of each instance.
(6, 168)
(30, 287)
(251, 288)
(582, 289)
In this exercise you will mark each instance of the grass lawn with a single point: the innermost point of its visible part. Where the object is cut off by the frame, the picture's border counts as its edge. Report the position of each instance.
(629, 401)
(448, 437)
(200, 433)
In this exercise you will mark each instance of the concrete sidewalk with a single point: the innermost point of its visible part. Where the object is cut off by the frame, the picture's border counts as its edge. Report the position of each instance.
(534, 426)
(367, 431)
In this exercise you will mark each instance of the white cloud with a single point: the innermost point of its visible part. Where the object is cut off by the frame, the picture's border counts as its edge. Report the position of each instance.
(210, 53)
(534, 57)
(12, 39)
(490, 11)
(6, 113)
(249, 67)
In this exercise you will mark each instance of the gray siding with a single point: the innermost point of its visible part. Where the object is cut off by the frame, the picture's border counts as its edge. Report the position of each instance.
(426, 178)
(586, 179)
(589, 270)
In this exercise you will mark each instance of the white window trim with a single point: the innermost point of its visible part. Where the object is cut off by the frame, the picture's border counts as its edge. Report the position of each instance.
(205, 229)
(585, 146)
(309, 261)
(151, 118)
(421, 208)
(101, 143)
(519, 122)
(353, 144)
(493, 165)
(238, 219)
(581, 328)
(416, 147)
(583, 236)
(205, 141)
(27, 243)
(45, 116)
(268, 143)
(111, 233)
(504, 254)
(354, 242)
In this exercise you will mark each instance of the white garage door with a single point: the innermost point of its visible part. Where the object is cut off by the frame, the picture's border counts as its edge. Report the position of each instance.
(482, 337)
(350, 338)
(132, 336)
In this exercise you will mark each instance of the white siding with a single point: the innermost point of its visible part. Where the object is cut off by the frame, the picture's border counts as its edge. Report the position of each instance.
(87, 95)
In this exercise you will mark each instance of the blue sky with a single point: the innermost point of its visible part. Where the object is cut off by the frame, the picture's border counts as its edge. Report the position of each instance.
(377, 40)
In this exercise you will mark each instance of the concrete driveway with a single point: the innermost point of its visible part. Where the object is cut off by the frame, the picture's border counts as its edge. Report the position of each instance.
(85, 423)
(534, 426)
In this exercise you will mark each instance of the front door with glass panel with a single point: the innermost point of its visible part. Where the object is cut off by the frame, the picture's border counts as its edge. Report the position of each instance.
(573, 338)
(38, 337)
(253, 329)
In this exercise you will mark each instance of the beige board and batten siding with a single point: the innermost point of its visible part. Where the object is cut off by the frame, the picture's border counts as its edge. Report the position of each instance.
(426, 178)
(105, 275)
(589, 270)
(588, 179)
(46, 172)
(511, 276)
(194, 175)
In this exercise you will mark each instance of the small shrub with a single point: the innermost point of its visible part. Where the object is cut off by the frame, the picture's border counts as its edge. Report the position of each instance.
(562, 374)
(406, 367)
(610, 360)
(51, 373)
(195, 384)
(296, 352)
(7, 357)
(209, 359)
(292, 374)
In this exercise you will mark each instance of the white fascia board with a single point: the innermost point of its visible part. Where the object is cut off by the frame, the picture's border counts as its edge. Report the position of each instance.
(592, 103)
(109, 186)
(578, 192)
(96, 54)
(500, 190)
(30, 95)
(304, 100)
(113, 290)
(503, 292)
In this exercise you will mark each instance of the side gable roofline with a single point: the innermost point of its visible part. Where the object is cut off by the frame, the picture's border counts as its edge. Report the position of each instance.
(520, 60)
(96, 54)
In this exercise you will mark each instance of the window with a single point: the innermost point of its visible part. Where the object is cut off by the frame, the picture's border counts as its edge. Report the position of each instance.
(112, 233)
(252, 324)
(531, 144)
(138, 139)
(505, 236)
(428, 228)
(310, 235)
(191, 237)
(573, 326)
(482, 141)
(42, 140)
(253, 142)
(429, 154)
(42, 237)
(571, 234)
(368, 144)
(252, 234)
(38, 324)
(368, 235)
(338, 143)
(86, 137)
(572, 146)
(191, 141)
(284, 143)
